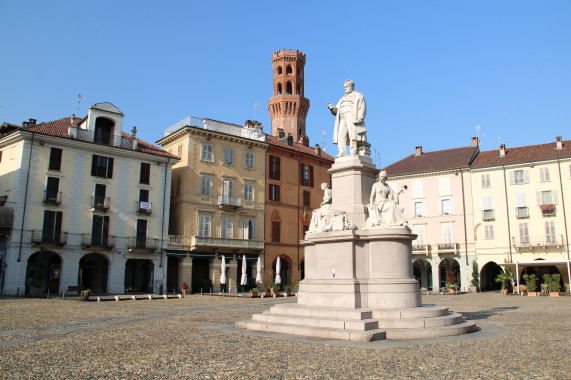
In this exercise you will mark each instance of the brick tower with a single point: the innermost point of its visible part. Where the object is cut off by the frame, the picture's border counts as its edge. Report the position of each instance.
(288, 107)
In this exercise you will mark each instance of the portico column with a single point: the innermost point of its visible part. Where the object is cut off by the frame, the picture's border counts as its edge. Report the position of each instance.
(435, 276)
(185, 271)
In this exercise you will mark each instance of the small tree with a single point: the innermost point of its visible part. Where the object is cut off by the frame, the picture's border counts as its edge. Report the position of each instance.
(475, 275)
(553, 282)
(505, 278)
(530, 282)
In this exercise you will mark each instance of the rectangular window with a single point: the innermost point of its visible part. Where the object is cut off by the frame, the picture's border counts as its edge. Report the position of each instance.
(249, 160)
(550, 237)
(249, 191)
(100, 231)
(276, 232)
(485, 180)
(227, 228)
(489, 230)
(519, 177)
(228, 156)
(306, 198)
(444, 186)
(420, 231)
(204, 223)
(177, 184)
(141, 238)
(546, 198)
(446, 207)
(52, 191)
(418, 209)
(207, 153)
(228, 188)
(249, 229)
(523, 234)
(51, 232)
(145, 175)
(307, 175)
(447, 237)
(55, 159)
(102, 166)
(274, 167)
(487, 208)
(143, 195)
(274, 193)
(417, 189)
(99, 198)
(544, 175)
(521, 206)
(205, 185)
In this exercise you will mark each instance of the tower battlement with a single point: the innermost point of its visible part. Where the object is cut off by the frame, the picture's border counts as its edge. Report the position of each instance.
(288, 54)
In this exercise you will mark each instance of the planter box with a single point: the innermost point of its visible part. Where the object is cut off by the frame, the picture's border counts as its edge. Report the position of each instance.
(505, 292)
(532, 294)
(554, 294)
(253, 294)
(473, 289)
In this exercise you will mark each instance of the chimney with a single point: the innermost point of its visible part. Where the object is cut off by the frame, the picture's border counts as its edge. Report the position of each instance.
(32, 121)
(290, 140)
(502, 150)
(281, 133)
(317, 150)
(559, 143)
(25, 123)
(417, 150)
(475, 141)
(304, 140)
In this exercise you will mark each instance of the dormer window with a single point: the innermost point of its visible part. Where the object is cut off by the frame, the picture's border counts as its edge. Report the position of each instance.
(103, 130)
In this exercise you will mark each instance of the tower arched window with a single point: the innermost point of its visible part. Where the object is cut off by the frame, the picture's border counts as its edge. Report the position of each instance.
(279, 70)
(289, 87)
(289, 70)
(279, 89)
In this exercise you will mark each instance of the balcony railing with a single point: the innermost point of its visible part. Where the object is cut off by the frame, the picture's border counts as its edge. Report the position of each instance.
(448, 248)
(488, 215)
(95, 241)
(6, 221)
(521, 212)
(539, 241)
(179, 240)
(100, 203)
(44, 237)
(421, 249)
(224, 201)
(52, 197)
(141, 243)
(118, 141)
(212, 242)
(144, 208)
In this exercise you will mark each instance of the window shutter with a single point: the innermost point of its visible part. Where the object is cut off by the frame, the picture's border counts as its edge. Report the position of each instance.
(520, 200)
(512, 178)
(254, 229)
(444, 184)
(526, 176)
(487, 203)
(311, 176)
(451, 206)
(105, 229)
(110, 167)
(483, 180)
(555, 197)
(539, 198)
(59, 216)
(93, 165)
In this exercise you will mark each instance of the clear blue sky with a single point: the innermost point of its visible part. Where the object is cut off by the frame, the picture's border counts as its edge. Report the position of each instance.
(430, 70)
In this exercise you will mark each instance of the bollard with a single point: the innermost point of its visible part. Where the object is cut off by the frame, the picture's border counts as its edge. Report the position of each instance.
(116, 298)
(98, 299)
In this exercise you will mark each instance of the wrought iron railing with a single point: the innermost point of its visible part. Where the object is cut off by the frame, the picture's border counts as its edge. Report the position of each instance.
(120, 141)
(102, 241)
(136, 242)
(447, 246)
(6, 221)
(229, 201)
(52, 197)
(538, 241)
(100, 203)
(48, 237)
(144, 207)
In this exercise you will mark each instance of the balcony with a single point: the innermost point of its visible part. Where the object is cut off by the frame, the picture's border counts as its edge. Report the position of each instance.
(144, 208)
(229, 202)
(522, 212)
(179, 240)
(421, 249)
(212, 242)
(488, 215)
(89, 241)
(49, 238)
(538, 242)
(448, 248)
(142, 244)
(118, 141)
(52, 197)
(547, 210)
(6, 218)
(100, 203)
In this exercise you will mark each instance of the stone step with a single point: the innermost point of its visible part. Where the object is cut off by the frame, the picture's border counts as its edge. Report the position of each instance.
(419, 323)
(325, 322)
(316, 332)
(434, 332)
(426, 311)
(320, 312)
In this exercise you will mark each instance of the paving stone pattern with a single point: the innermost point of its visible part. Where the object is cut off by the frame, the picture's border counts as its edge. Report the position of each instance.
(520, 337)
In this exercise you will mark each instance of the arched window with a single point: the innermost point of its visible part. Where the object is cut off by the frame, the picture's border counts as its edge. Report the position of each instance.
(279, 89)
(279, 70)
(289, 70)
(289, 87)
(103, 130)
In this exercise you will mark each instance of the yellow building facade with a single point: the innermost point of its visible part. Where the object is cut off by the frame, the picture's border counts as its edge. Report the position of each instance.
(217, 204)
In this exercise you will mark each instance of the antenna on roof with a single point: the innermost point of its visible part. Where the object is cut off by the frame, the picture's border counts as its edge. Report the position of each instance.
(256, 109)
(323, 140)
(499, 140)
(376, 158)
(79, 98)
(480, 135)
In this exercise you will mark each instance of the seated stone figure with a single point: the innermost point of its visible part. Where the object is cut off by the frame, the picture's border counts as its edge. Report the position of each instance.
(319, 215)
(384, 209)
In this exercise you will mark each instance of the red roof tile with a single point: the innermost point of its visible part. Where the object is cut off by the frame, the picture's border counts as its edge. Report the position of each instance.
(523, 154)
(433, 161)
(273, 140)
(59, 128)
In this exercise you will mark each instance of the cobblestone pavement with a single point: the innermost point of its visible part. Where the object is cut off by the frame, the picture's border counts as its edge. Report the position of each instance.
(520, 337)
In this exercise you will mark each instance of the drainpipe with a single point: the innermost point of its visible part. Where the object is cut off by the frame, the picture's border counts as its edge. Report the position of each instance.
(26, 198)
(299, 179)
(563, 205)
(464, 209)
(163, 223)
(507, 212)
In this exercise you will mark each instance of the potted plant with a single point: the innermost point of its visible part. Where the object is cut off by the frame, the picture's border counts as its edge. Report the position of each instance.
(530, 284)
(85, 294)
(287, 290)
(267, 290)
(184, 288)
(254, 292)
(552, 281)
(505, 278)
(475, 282)
(296, 289)
(452, 287)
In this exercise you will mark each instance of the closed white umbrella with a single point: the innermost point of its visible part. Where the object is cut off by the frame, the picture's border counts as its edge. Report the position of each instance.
(278, 269)
(223, 271)
(259, 271)
(243, 280)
